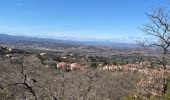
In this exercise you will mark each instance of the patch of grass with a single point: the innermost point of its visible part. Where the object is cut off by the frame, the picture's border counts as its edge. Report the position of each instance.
(167, 95)
(132, 96)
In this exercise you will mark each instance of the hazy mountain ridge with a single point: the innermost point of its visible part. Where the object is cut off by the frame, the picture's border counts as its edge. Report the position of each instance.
(12, 38)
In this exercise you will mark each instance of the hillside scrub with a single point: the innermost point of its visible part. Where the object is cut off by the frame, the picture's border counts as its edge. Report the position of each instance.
(25, 77)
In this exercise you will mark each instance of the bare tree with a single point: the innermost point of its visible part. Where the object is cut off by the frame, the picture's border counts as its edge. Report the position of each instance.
(159, 29)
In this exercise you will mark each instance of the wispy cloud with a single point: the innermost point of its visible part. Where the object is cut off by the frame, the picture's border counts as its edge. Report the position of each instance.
(26, 14)
(29, 12)
(19, 4)
(86, 35)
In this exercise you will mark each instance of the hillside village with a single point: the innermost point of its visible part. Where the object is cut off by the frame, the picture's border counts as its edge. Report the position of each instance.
(146, 84)
(85, 50)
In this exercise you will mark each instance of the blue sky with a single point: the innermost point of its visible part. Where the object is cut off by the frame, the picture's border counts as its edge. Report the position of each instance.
(116, 20)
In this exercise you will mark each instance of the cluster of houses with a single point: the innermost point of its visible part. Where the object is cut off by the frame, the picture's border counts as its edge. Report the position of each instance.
(11, 53)
(150, 79)
(133, 67)
(5, 51)
(70, 66)
(125, 67)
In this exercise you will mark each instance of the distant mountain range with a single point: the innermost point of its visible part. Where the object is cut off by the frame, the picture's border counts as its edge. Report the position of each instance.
(12, 38)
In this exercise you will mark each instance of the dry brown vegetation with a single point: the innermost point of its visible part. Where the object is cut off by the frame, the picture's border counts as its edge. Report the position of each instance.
(24, 77)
